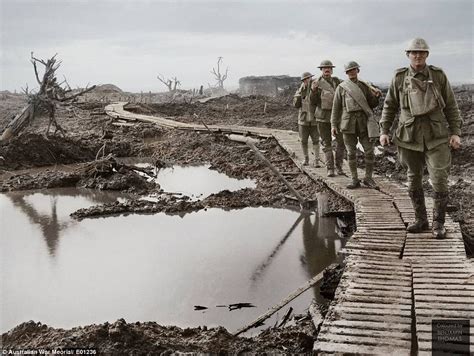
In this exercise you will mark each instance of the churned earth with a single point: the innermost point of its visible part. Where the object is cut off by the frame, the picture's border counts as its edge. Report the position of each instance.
(89, 157)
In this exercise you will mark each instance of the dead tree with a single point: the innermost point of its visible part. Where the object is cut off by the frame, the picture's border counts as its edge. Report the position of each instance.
(220, 78)
(172, 84)
(49, 96)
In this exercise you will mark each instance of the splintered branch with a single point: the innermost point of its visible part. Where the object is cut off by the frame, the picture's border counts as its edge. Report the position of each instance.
(50, 94)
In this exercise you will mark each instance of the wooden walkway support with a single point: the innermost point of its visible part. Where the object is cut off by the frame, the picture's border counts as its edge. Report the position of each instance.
(394, 284)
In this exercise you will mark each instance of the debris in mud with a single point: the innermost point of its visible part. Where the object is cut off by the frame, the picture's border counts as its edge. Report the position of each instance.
(141, 338)
(240, 306)
(200, 307)
(331, 278)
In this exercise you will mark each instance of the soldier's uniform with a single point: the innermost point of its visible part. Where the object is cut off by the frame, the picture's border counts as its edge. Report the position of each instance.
(305, 100)
(324, 95)
(429, 115)
(349, 118)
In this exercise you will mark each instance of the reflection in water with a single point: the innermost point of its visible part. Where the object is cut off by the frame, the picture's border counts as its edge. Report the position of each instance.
(319, 240)
(49, 223)
(262, 267)
(150, 267)
(37, 211)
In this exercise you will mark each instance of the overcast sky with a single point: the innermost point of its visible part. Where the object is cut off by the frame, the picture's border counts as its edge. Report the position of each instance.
(128, 43)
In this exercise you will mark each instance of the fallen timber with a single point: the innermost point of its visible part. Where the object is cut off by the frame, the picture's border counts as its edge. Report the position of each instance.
(394, 283)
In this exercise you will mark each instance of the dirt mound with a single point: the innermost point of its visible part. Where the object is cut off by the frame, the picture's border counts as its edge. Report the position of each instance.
(107, 89)
(149, 338)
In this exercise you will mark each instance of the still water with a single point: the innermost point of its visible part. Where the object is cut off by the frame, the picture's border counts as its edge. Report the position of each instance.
(67, 273)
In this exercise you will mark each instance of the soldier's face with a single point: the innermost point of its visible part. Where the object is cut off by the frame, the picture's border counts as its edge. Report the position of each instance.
(327, 71)
(306, 81)
(417, 58)
(352, 74)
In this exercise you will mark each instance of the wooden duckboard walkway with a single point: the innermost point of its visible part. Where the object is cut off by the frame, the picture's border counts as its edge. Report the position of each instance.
(394, 284)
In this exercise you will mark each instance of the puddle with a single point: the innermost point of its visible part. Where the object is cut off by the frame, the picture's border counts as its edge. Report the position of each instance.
(67, 273)
(196, 182)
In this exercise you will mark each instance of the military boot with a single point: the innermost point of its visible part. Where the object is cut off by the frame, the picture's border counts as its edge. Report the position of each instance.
(439, 214)
(304, 148)
(355, 183)
(329, 163)
(421, 219)
(368, 180)
(339, 159)
(316, 163)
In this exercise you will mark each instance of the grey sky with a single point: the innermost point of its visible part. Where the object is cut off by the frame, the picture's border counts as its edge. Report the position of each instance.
(128, 43)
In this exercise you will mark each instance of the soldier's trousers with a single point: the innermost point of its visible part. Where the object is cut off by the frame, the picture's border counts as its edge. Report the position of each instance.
(350, 140)
(307, 131)
(326, 137)
(438, 162)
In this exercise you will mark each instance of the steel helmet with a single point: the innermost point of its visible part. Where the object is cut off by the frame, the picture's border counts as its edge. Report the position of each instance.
(418, 44)
(326, 63)
(306, 75)
(351, 65)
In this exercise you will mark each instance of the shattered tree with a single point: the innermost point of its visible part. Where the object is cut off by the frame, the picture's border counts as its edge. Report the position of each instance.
(172, 84)
(220, 78)
(50, 94)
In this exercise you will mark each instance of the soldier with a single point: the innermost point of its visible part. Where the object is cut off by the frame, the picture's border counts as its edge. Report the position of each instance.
(353, 116)
(305, 101)
(324, 89)
(428, 125)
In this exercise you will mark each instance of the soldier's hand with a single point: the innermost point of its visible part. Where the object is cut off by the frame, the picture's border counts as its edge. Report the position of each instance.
(455, 142)
(384, 140)
(334, 131)
(314, 85)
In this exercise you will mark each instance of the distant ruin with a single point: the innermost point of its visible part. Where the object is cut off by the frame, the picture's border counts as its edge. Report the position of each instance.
(267, 85)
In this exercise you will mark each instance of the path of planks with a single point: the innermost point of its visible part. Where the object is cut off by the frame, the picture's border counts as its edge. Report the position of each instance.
(394, 284)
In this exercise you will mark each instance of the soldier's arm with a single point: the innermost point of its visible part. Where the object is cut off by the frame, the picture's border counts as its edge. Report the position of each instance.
(372, 100)
(391, 106)
(451, 110)
(297, 101)
(315, 96)
(336, 109)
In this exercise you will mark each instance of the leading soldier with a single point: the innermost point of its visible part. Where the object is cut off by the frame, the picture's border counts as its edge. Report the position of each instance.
(428, 125)
(324, 88)
(353, 116)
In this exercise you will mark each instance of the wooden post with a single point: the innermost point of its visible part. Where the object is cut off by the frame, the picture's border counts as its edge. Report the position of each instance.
(322, 204)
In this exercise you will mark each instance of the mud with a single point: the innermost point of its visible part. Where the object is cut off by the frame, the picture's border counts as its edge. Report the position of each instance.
(149, 338)
(88, 130)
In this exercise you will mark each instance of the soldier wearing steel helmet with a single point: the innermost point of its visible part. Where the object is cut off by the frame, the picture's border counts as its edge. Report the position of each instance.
(429, 124)
(352, 115)
(305, 101)
(324, 88)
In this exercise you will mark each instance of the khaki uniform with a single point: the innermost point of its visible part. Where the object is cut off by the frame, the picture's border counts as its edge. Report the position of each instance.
(324, 95)
(429, 115)
(305, 100)
(350, 119)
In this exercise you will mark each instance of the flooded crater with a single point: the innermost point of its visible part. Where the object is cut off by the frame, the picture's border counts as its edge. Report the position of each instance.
(66, 273)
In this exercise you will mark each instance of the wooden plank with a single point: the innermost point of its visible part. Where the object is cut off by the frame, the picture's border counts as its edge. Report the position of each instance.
(373, 311)
(364, 340)
(443, 313)
(371, 325)
(376, 333)
(321, 346)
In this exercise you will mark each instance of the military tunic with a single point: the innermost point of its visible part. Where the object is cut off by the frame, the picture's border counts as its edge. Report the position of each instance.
(353, 124)
(323, 115)
(305, 100)
(422, 138)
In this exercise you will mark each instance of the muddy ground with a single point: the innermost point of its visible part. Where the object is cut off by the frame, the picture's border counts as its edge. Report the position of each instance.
(34, 161)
